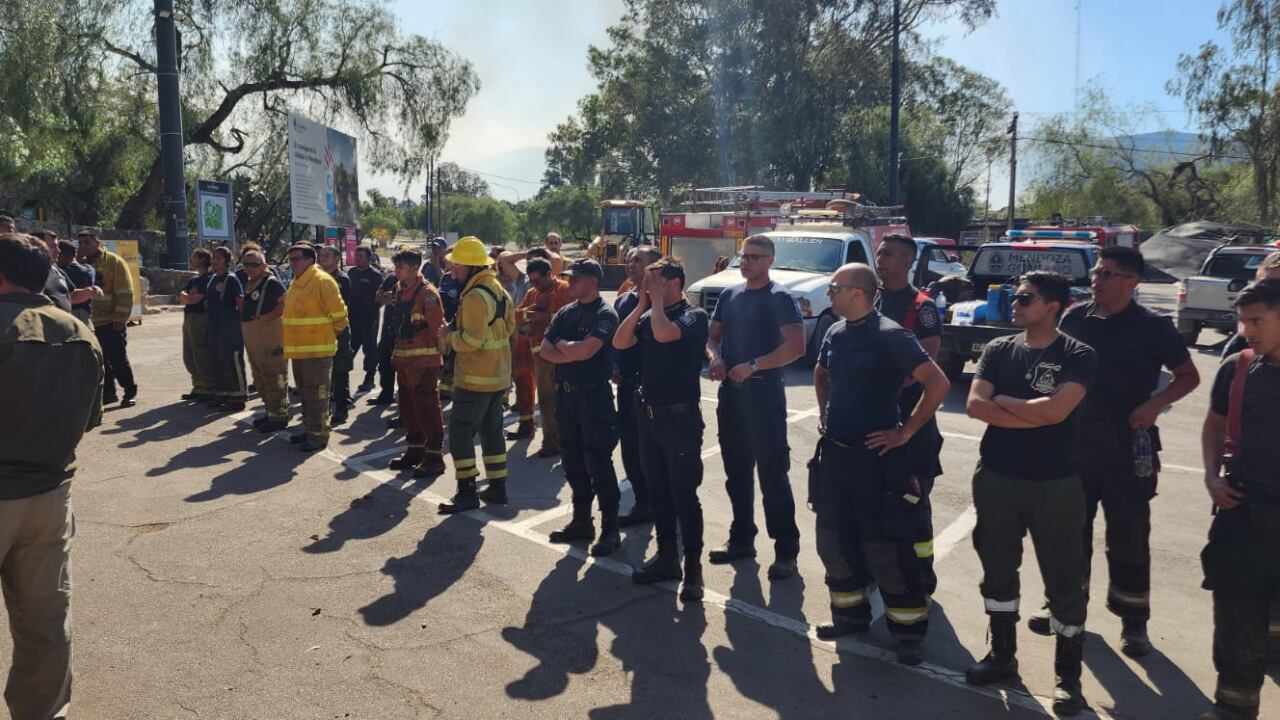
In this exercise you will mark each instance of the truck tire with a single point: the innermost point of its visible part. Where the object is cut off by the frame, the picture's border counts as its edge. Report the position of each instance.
(825, 321)
(952, 365)
(1189, 330)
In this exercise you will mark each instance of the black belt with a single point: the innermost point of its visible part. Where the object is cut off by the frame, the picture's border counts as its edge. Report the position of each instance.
(577, 387)
(651, 411)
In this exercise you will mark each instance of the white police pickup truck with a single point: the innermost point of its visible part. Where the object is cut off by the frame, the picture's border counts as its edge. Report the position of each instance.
(805, 256)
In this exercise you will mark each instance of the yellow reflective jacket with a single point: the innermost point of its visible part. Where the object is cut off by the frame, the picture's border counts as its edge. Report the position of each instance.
(314, 314)
(486, 318)
(116, 303)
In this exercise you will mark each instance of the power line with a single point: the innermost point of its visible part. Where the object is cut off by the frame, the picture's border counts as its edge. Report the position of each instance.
(1119, 148)
(502, 177)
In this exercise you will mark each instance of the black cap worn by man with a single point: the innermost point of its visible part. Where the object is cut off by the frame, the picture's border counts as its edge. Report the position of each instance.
(584, 267)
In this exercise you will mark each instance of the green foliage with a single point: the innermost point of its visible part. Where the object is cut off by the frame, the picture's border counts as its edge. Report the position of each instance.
(493, 221)
(571, 210)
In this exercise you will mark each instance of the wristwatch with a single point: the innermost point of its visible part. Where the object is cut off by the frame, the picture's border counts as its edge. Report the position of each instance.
(752, 364)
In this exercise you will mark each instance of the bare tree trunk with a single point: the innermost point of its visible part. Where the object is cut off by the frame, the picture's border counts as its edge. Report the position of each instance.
(145, 199)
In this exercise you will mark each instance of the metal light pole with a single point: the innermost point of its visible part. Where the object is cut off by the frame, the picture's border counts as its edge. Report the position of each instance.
(894, 101)
(171, 137)
(1013, 166)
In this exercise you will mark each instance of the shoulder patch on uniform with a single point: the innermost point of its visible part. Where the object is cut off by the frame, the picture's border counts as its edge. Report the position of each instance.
(687, 318)
(928, 315)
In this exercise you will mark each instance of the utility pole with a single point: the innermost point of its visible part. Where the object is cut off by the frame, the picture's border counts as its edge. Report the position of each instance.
(986, 208)
(894, 101)
(1013, 166)
(171, 137)
(426, 216)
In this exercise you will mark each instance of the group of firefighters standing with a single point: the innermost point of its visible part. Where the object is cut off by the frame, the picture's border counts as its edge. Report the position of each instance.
(1071, 403)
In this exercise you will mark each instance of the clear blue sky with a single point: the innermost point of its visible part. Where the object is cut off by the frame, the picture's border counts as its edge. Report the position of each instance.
(531, 58)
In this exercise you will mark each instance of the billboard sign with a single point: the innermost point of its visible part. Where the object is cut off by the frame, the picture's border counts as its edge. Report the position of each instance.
(322, 175)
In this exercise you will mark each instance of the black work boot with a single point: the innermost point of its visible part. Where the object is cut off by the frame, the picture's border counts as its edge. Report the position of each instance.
(610, 540)
(367, 385)
(523, 431)
(661, 567)
(432, 466)
(691, 585)
(639, 515)
(841, 626)
(907, 648)
(1001, 662)
(409, 459)
(1067, 658)
(729, 552)
(496, 493)
(579, 528)
(463, 500)
(1039, 623)
(1133, 638)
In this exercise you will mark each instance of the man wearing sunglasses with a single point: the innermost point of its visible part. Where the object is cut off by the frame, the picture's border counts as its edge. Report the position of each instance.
(264, 339)
(917, 313)
(756, 330)
(1133, 345)
(1027, 388)
(314, 316)
(868, 498)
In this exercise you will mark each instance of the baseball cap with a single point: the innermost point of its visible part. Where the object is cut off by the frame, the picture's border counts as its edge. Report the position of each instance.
(584, 267)
(437, 242)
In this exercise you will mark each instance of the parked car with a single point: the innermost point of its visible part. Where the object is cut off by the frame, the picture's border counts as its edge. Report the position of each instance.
(1207, 300)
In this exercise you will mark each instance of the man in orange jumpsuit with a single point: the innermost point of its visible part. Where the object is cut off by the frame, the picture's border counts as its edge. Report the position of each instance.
(546, 295)
(417, 360)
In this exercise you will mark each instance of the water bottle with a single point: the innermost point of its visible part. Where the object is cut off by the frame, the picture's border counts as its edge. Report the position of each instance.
(1143, 455)
(994, 305)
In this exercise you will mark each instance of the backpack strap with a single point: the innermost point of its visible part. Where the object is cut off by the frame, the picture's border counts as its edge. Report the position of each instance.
(499, 301)
(913, 311)
(1235, 402)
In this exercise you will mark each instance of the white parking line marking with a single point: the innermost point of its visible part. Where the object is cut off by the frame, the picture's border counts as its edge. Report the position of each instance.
(952, 534)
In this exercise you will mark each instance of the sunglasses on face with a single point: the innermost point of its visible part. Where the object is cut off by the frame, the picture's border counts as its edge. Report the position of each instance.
(1106, 274)
(835, 288)
(1024, 299)
(751, 257)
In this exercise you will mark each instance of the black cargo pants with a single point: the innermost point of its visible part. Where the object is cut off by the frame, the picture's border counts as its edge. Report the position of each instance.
(588, 434)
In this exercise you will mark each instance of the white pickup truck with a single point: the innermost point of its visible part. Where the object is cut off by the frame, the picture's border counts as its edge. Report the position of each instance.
(805, 256)
(1208, 299)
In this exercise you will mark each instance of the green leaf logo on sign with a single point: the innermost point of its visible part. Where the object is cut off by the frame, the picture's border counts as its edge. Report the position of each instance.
(212, 215)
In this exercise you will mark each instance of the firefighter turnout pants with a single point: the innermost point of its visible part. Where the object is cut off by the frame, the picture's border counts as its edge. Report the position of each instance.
(545, 375)
(386, 346)
(476, 412)
(866, 530)
(312, 376)
(925, 447)
(752, 417)
(420, 408)
(1106, 468)
(264, 344)
(1053, 511)
(340, 373)
(35, 540)
(670, 442)
(525, 380)
(1242, 567)
(195, 352)
(629, 406)
(115, 360)
(226, 350)
(588, 434)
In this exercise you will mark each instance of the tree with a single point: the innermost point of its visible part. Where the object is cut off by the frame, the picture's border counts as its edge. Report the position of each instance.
(456, 181)
(571, 210)
(493, 221)
(1235, 96)
(245, 64)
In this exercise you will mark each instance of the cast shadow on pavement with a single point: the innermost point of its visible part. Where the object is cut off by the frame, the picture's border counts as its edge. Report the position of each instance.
(658, 641)
(159, 424)
(442, 557)
(375, 513)
(1166, 691)
(267, 464)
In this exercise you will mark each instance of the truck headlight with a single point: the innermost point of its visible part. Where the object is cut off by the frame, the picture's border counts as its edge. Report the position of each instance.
(806, 308)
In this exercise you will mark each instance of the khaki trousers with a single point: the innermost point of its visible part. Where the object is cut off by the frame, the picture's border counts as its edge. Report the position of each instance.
(545, 373)
(35, 570)
(264, 344)
(195, 352)
(312, 377)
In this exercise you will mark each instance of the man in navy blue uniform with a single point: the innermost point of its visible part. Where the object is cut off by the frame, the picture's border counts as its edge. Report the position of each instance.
(627, 377)
(868, 495)
(671, 335)
(755, 331)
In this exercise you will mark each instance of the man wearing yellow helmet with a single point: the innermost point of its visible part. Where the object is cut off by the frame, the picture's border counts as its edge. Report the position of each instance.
(480, 338)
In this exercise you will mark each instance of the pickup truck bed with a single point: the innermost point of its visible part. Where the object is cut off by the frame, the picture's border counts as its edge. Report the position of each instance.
(961, 343)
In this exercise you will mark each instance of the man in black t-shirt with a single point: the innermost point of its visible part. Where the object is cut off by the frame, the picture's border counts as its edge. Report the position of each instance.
(756, 330)
(868, 495)
(330, 260)
(1242, 559)
(627, 376)
(1027, 389)
(917, 313)
(386, 297)
(263, 331)
(1133, 344)
(579, 342)
(195, 329)
(363, 308)
(672, 342)
(1268, 268)
(82, 278)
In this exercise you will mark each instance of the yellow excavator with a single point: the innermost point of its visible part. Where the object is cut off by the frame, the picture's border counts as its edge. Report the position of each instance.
(624, 224)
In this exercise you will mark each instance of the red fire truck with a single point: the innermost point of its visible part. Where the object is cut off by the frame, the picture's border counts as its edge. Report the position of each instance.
(717, 220)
